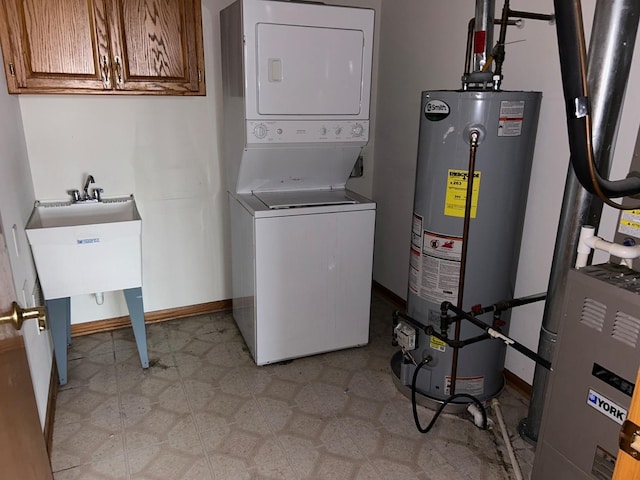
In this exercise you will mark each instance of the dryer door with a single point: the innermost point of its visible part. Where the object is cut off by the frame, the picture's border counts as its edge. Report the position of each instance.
(304, 70)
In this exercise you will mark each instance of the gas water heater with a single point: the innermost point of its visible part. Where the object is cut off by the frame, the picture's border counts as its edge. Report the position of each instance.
(501, 127)
(475, 152)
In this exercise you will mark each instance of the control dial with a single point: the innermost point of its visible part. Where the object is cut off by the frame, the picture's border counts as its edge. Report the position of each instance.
(338, 130)
(260, 130)
(357, 130)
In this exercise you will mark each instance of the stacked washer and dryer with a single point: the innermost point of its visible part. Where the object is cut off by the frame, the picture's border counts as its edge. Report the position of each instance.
(296, 83)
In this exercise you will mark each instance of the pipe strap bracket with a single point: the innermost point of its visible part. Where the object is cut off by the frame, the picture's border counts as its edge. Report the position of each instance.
(581, 107)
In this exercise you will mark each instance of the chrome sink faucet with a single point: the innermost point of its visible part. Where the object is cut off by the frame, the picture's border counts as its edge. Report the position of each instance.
(95, 196)
(86, 187)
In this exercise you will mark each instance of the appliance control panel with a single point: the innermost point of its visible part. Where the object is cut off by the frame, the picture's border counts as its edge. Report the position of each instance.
(308, 131)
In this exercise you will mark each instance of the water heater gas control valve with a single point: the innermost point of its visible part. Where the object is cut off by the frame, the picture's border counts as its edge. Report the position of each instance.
(405, 336)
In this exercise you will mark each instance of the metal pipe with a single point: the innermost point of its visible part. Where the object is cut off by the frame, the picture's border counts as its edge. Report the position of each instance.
(613, 36)
(483, 35)
(499, 50)
(503, 305)
(494, 333)
(469, 47)
(474, 138)
(579, 207)
(532, 16)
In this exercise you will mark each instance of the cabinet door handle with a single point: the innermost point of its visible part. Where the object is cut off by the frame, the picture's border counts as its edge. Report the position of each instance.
(105, 72)
(118, 63)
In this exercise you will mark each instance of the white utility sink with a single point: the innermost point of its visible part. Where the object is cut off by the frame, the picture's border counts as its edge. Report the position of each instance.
(86, 247)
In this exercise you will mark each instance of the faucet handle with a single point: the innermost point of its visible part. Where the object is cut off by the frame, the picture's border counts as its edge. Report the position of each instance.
(97, 194)
(75, 195)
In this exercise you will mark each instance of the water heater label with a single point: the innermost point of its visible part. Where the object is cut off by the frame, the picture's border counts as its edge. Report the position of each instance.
(436, 110)
(416, 231)
(468, 385)
(434, 269)
(456, 196)
(511, 116)
(606, 407)
(437, 344)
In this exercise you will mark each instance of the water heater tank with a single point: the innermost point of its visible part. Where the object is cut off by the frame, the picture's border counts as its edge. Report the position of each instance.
(507, 123)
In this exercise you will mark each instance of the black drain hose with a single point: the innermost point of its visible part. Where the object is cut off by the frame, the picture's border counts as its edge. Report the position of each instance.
(414, 404)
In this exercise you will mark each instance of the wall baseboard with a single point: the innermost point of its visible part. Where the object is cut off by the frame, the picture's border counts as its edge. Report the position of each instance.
(396, 300)
(518, 384)
(512, 379)
(110, 324)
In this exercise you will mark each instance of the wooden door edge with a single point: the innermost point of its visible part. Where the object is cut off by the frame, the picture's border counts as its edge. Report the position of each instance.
(51, 407)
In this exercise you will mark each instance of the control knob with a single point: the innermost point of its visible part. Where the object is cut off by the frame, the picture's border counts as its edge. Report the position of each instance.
(260, 130)
(357, 130)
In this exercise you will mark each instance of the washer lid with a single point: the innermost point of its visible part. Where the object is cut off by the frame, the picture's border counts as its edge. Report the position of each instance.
(304, 198)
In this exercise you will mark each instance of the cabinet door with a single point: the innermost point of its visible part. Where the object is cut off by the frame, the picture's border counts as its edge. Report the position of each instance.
(54, 45)
(157, 46)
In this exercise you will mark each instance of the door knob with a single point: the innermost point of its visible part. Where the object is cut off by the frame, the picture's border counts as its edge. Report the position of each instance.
(18, 315)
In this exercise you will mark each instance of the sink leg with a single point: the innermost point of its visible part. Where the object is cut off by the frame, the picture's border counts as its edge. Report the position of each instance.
(133, 296)
(59, 317)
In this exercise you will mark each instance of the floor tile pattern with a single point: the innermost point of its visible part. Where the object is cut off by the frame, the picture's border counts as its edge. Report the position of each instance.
(205, 411)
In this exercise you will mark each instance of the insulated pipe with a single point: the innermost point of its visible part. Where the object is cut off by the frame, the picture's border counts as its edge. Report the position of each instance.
(579, 207)
(594, 99)
(611, 46)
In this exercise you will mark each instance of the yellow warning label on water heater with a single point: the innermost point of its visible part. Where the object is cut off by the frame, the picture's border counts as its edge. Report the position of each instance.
(456, 197)
(437, 344)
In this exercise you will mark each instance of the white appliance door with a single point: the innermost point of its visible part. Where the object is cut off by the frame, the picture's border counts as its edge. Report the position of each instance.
(306, 70)
(313, 283)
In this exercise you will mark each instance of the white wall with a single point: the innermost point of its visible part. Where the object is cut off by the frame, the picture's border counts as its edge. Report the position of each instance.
(422, 48)
(16, 201)
(167, 152)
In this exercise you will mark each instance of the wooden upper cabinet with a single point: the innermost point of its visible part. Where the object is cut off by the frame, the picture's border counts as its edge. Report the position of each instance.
(103, 46)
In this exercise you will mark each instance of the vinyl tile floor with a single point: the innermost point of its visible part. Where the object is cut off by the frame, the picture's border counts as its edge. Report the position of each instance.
(204, 411)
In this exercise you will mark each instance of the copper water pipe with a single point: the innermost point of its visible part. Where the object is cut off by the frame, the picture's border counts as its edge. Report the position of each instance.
(474, 137)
